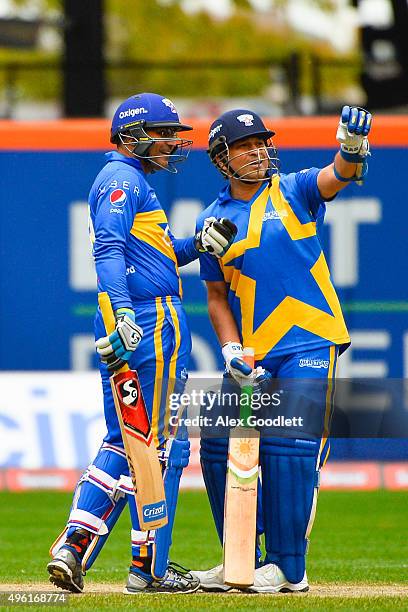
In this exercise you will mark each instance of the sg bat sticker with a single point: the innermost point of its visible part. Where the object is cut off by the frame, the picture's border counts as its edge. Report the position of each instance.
(132, 407)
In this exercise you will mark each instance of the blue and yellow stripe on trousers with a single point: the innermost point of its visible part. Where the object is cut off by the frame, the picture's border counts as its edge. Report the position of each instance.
(167, 352)
(324, 449)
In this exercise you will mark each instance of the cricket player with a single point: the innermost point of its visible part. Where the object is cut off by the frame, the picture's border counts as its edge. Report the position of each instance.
(137, 260)
(272, 291)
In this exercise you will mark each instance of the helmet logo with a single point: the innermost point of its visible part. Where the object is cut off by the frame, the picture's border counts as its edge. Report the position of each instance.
(131, 112)
(247, 119)
(170, 104)
(214, 131)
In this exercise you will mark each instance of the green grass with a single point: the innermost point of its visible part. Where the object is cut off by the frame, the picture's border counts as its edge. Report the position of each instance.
(358, 538)
(222, 602)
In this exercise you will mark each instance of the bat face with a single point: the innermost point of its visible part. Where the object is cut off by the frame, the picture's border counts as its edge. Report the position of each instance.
(141, 454)
(138, 440)
(241, 498)
(243, 462)
(132, 406)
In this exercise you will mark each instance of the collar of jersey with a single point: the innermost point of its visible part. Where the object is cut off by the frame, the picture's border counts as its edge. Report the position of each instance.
(130, 161)
(225, 195)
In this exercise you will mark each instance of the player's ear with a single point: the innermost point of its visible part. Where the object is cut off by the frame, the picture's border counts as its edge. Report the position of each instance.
(221, 161)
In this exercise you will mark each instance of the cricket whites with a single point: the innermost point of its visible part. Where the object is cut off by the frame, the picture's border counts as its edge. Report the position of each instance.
(144, 465)
(241, 495)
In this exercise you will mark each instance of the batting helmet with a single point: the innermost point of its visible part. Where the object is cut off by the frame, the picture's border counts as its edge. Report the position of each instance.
(236, 125)
(149, 111)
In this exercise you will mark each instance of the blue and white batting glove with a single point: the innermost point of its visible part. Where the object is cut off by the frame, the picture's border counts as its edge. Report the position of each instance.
(117, 348)
(352, 132)
(216, 236)
(240, 371)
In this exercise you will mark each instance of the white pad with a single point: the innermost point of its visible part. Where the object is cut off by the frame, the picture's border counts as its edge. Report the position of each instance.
(88, 521)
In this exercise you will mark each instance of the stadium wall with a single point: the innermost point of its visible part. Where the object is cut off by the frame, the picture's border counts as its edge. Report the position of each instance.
(46, 267)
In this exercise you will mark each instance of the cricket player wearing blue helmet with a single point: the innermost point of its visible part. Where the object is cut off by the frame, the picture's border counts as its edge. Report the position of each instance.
(137, 261)
(273, 292)
(146, 126)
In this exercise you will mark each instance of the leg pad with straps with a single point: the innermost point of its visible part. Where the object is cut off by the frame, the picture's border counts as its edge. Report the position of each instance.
(290, 481)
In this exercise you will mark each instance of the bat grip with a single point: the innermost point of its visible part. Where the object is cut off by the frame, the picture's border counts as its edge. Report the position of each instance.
(246, 410)
(107, 312)
(249, 356)
(109, 319)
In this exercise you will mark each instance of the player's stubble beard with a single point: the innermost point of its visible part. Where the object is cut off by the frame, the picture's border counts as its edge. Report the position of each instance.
(258, 174)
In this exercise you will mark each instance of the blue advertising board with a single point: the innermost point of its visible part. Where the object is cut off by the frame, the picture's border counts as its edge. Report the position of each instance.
(47, 282)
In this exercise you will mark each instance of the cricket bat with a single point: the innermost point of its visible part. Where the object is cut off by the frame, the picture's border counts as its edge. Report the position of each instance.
(144, 465)
(241, 495)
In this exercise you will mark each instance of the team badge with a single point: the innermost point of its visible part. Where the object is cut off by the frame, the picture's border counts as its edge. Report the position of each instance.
(117, 198)
(247, 119)
(170, 104)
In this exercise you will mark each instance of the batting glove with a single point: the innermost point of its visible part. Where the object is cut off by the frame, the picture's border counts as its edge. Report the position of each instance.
(352, 132)
(240, 371)
(117, 348)
(216, 236)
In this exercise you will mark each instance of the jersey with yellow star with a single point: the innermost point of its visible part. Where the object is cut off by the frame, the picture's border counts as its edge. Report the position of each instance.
(279, 286)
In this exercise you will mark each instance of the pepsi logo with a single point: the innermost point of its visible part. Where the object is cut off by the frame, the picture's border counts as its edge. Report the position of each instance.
(117, 198)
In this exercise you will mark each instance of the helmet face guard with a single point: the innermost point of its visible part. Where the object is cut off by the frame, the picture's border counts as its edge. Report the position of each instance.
(252, 171)
(138, 142)
(136, 116)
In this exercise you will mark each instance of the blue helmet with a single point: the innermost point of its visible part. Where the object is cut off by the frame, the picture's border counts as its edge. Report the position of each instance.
(149, 111)
(232, 126)
(235, 125)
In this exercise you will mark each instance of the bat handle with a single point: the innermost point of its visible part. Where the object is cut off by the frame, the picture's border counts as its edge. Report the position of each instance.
(249, 356)
(107, 311)
(246, 410)
(109, 319)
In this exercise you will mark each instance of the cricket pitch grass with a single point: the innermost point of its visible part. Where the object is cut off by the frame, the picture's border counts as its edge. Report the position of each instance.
(358, 557)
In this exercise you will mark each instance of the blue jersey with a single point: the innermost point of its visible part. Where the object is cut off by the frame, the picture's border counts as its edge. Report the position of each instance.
(279, 286)
(136, 256)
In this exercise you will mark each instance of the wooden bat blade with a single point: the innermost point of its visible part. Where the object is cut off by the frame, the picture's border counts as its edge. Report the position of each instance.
(144, 466)
(241, 493)
(132, 408)
(240, 507)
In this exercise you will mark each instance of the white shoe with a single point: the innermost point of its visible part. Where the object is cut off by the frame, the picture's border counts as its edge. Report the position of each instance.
(176, 580)
(212, 579)
(270, 579)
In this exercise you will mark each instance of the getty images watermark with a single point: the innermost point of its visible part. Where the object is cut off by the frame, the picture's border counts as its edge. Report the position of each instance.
(215, 409)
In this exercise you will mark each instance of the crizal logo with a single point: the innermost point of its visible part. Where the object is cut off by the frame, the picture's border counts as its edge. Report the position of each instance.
(170, 104)
(314, 363)
(132, 112)
(274, 214)
(247, 119)
(215, 131)
(152, 512)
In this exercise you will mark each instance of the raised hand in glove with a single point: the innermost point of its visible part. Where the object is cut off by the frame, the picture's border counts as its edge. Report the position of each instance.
(216, 236)
(352, 132)
(117, 348)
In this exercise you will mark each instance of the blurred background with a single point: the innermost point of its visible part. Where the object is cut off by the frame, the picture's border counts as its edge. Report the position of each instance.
(64, 67)
(279, 56)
